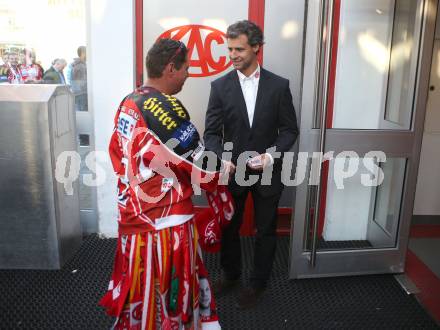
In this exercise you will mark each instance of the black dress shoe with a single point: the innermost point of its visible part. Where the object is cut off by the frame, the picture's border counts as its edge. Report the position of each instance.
(224, 286)
(249, 297)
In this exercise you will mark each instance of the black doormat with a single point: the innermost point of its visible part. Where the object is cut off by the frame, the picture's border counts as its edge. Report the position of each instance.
(67, 299)
(341, 245)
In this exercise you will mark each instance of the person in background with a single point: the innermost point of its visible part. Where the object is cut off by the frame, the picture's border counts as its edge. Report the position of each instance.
(4, 68)
(5, 57)
(77, 79)
(31, 72)
(55, 75)
(14, 74)
(21, 57)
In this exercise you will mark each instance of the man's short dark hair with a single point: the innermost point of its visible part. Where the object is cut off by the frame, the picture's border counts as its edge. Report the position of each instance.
(81, 50)
(165, 51)
(248, 28)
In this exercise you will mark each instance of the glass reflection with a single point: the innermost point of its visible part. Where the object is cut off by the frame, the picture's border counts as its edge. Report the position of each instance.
(289, 30)
(376, 64)
(358, 216)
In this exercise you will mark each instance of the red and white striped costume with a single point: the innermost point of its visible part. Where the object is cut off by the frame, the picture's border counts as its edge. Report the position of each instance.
(32, 72)
(157, 155)
(14, 75)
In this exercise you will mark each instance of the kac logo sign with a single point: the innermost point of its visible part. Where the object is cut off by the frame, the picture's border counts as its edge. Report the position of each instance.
(205, 63)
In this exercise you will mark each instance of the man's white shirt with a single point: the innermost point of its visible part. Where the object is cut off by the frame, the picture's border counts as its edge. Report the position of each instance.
(249, 88)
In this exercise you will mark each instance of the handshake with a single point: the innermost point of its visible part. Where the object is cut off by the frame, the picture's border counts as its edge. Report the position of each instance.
(257, 163)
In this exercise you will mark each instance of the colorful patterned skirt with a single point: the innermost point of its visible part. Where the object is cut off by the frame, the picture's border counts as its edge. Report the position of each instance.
(159, 282)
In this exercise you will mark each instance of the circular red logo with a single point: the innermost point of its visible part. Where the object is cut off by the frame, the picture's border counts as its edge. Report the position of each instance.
(201, 40)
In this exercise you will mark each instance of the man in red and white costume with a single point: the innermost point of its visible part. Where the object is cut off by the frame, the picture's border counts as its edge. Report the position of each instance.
(31, 71)
(157, 155)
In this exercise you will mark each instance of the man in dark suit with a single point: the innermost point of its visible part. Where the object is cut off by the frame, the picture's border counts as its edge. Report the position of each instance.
(55, 75)
(252, 108)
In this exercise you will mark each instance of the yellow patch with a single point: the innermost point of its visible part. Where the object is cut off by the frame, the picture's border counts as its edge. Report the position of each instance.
(154, 106)
(177, 108)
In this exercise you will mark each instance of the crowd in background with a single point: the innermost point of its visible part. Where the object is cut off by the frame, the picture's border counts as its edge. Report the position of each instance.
(21, 67)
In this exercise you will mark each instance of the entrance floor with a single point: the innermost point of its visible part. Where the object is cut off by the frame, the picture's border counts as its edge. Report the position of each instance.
(67, 299)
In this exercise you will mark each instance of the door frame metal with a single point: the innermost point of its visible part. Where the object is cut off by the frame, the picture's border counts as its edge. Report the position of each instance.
(396, 143)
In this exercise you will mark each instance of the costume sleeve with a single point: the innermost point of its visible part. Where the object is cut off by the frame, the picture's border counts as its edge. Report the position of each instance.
(176, 143)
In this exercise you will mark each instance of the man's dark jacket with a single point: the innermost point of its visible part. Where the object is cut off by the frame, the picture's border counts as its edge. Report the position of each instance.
(274, 122)
(51, 76)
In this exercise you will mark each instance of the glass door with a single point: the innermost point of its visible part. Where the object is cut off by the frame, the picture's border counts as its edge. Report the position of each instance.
(365, 86)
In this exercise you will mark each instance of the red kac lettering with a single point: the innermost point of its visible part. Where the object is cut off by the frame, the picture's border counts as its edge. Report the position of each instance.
(200, 49)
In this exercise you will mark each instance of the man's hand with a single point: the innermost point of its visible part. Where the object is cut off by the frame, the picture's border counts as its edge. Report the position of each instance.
(227, 172)
(260, 162)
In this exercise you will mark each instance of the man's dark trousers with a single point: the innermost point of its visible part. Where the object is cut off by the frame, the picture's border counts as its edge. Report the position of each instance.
(265, 241)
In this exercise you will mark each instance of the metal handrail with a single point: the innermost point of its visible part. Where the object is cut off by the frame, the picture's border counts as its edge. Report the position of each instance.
(328, 17)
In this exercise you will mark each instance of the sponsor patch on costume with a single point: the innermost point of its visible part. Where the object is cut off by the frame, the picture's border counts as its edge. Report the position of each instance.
(158, 111)
(198, 152)
(185, 134)
(176, 106)
(126, 125)
(210, 233)
(167, 183)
